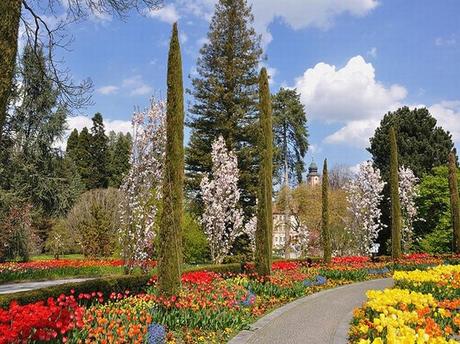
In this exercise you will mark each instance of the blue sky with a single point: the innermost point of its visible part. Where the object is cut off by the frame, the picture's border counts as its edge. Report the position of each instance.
(351, 60)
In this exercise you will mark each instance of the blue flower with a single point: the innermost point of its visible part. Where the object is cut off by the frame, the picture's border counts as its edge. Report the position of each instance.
(156, 334)
(307, 283)
(378, 271)
(249, 300)
(320, 280)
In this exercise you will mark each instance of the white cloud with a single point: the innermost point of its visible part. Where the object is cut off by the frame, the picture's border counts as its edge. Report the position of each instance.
(167, 14)
(137, 86)
(372, 52)
(354, 133)
(447, 113)
(297, 14)
(183, 37)
(109, 89)
(441, 41)
(271, 71)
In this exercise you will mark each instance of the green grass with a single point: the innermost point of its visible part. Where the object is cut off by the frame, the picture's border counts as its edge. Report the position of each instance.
(50, 257)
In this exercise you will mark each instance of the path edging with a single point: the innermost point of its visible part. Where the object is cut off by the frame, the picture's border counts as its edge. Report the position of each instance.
(244, 336)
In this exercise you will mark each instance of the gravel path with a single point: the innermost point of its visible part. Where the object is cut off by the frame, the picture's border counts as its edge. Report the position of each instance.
(320, 318)
(17, 287)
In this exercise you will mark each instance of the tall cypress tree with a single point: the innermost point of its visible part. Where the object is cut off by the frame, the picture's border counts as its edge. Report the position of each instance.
(225, 98)
(264, 231)
(99, 154)
(454, 204)
(325, 230)
(171, 216)
(10, 12)
(396, 220)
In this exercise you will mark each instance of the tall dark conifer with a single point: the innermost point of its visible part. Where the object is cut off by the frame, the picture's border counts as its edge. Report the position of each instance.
(83, 157)
(325, 228)
(225, 98)
(99, 154)
(10, 13)
(72, 145)
(454, 203)
(396, 220)
(172, 210)
(264, 231)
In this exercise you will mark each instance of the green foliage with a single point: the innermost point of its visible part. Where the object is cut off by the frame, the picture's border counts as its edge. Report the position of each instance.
(438, 241)
(264, 231)
(325, 229)
(454, 203)
(194, 242)
(422, 145)
(171, 211)
(396, 221)
(60, 240)
(119, 151)
(98, 177)
(290, 142)
(9, 28)
(225, 99)
(94, 221)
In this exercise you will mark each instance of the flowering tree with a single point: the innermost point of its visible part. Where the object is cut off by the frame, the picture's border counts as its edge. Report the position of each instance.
(364, 194)
(300, 236)
(222, 218)
(407, 194)
(141, 187)
(250, 230)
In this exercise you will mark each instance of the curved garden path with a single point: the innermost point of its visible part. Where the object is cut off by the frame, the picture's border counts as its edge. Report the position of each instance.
(321, 318)
(26, 286)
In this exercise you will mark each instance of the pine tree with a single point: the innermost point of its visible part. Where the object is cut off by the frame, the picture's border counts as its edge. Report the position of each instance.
(171, 216)
(454, 203)
(72, 145)
(10, 12)
(264, 231)
(290, 135)
(119, 150)
(225, 98)
(325, 230)
(396, 221)
(99, 154)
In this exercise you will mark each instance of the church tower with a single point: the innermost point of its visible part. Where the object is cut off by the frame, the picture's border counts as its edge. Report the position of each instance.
(313, 177)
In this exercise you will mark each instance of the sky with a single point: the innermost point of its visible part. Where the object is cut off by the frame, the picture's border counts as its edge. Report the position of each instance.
(351, 60)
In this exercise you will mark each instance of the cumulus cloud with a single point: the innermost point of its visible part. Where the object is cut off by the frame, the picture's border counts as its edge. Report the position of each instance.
(137, 86)
(354, 133)
(109, 89)
(297, 14)
(447, 113)
(167, 14)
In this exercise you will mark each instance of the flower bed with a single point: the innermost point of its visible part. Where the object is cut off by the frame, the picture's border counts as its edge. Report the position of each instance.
(424, 307)
(58, 268)
(211, 306)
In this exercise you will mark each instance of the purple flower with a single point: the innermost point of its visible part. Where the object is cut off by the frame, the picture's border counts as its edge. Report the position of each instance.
(156, 334)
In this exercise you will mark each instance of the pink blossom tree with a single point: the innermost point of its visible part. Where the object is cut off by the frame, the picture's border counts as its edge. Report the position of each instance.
(141, 187)
(222, 217)
(407, 194)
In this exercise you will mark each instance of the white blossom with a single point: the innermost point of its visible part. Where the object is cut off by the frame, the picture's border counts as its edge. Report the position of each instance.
(141, 187)
(364, 194)
(222, 217)
(250, 230)
(407, 194)
(299, 236)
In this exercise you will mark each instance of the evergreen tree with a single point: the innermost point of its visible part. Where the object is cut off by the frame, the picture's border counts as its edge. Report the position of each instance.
(396, 221)
(454, 204)
(83, 157)
(171, 216)
(72, 145)
(119, 150)
(225, 98)
(325, 230)
(99, 154)
(10, 12)
(264, 231)
(291, 135)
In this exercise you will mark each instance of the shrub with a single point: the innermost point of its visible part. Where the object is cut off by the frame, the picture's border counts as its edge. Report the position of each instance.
(195, 244)
(94, 220)
(60, 240)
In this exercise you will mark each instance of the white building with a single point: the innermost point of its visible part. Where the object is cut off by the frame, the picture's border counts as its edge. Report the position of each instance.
(279, 231)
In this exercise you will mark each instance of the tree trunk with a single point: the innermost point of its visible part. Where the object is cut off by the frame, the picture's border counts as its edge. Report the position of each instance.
(10, 12)
(287, 225)
(454, 204)
(169, 276)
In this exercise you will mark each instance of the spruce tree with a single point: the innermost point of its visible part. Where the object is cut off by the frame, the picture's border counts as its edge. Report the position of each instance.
(10, 13)
(169, 276)
(99, 154)
(264, 231)
(119, 155)
(83, 157)
(454, 204)
(396, 221)
(72, 145)
(325, 229)
(225, 98)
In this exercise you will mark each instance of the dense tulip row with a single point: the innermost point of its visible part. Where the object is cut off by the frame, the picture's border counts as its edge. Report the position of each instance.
(422, 308)
(210, 308)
